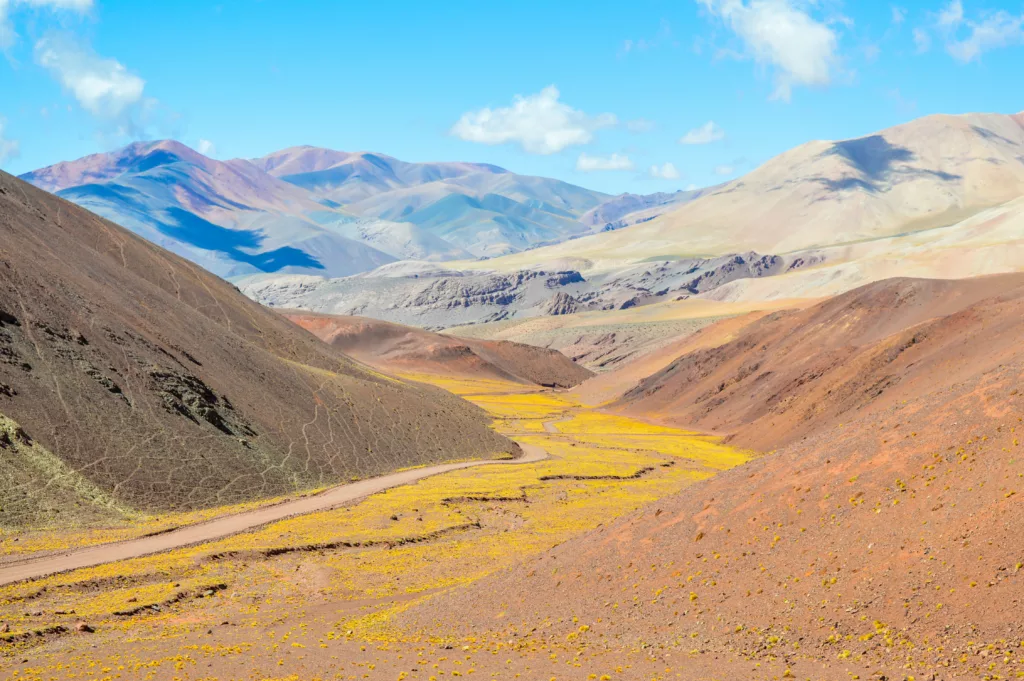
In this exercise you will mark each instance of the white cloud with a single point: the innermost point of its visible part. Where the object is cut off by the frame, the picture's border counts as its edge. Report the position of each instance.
(104, 87)
(781, 35)
(725, 170)
(206, 148)
(951, 16)
(8, 148)
(705, 134)
(539, 123)
(588, 163)
(991, 31)
(995, 30)
(922, 41)
(640, 125)
(664, 172)
(7, 34)
(899, 15)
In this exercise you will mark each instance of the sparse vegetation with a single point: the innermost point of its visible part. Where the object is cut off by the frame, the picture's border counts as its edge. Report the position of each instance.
(373, 559)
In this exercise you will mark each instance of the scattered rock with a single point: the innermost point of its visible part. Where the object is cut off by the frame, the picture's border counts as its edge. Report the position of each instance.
(561, 303)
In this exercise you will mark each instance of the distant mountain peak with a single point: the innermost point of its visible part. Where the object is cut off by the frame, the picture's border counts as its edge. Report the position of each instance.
(311, 210)
(105, 166)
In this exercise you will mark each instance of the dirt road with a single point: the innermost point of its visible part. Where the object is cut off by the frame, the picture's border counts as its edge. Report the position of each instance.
(233, 524)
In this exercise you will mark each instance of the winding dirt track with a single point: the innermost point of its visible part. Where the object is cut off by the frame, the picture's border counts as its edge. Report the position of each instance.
(233, 524)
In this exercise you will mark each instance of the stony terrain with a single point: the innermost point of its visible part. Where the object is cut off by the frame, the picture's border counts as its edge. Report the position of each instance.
(132, 380)
(408, 350)
(605, 341)
(438, 296)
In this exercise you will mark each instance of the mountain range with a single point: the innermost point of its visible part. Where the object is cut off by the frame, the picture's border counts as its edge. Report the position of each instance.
(939, 197)
(930, 173)
(317, 211)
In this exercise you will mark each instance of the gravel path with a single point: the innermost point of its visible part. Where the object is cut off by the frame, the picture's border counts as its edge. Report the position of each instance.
(233, 524)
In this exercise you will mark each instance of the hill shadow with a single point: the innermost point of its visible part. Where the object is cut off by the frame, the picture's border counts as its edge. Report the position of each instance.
(876, 158)
(196, 231)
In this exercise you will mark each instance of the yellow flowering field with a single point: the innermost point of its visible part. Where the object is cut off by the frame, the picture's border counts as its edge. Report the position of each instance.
(364, 561)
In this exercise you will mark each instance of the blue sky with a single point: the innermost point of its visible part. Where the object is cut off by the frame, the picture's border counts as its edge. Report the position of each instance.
(601, 94)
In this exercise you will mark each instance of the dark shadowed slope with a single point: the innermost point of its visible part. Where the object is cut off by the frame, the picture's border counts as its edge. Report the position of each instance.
(132, 379)
(394, 347)
(885, 544)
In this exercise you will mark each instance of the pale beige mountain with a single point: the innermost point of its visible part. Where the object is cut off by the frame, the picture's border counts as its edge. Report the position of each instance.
(988, 242)
(932, 172)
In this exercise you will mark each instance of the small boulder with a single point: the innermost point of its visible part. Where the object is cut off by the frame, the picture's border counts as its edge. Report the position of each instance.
(84, 628)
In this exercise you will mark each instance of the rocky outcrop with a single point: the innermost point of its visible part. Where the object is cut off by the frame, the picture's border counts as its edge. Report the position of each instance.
(440, 298)
(561, 303)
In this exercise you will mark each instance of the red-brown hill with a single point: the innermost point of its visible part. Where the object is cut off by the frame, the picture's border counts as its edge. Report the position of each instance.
(792, 373)
(880, 539)
(398, 348)
(132, 379)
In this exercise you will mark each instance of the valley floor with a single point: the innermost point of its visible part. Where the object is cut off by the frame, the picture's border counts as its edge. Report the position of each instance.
(317, 595)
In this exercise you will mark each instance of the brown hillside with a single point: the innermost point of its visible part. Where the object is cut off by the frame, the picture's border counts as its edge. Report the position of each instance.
(795, 372)
(883, 544)
(130, 378)
(394, 347)
(610, 386)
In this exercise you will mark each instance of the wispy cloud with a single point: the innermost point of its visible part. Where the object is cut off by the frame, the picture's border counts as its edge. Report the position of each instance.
(705, 134)
(102, 86)
(781, 35)
(1000, 29)
(922, 41)
(206, 148)
(7, 7)
(967, 39)
(665, 171)
(725, 170)
(8, 148)
(539, 123)
(589, 164)
(899, 15)
(950, 16)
